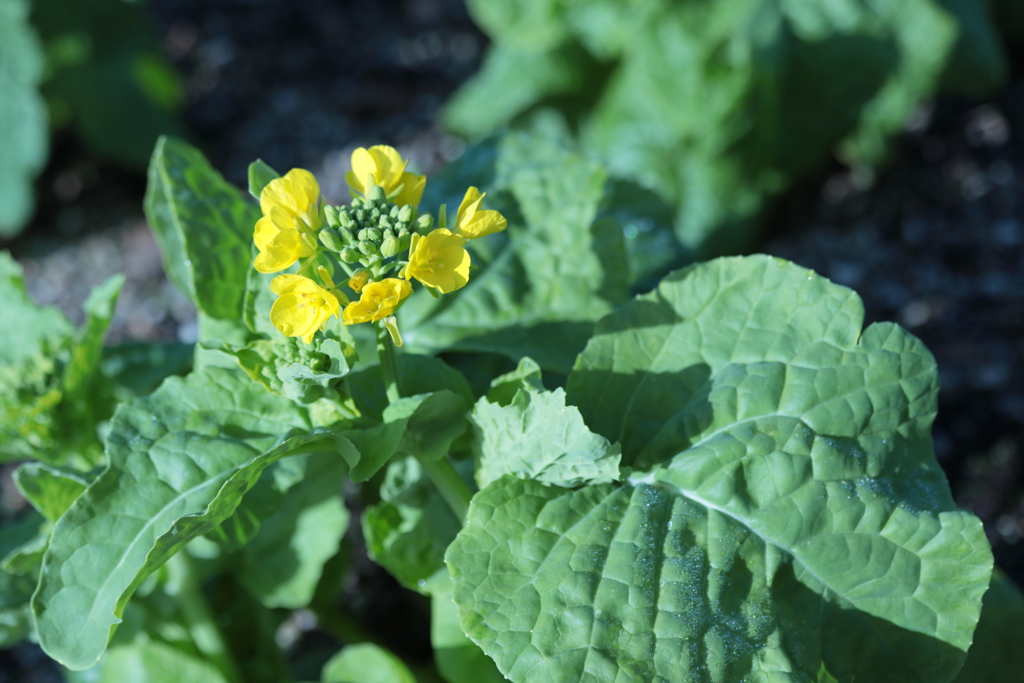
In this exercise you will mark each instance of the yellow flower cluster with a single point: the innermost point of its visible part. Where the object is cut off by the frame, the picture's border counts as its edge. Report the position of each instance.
(292, 215)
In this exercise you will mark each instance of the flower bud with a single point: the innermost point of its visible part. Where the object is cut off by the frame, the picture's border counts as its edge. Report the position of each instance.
(345, 219)
(389, 247)
(332, 240)
(363, 235)
(384, 222)
(406, 213)
(368, 248)
(360, 215)
(374, 214)
(388, 234)
(350, 255)
(373, 234)
(331, 215)
(376, 194)
(346, 235)
(403, 242)
(424, 223)
(358, 279)
(395, 211)
(403, 231)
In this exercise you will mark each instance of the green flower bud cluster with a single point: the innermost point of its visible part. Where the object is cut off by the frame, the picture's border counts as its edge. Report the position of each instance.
(371, 228)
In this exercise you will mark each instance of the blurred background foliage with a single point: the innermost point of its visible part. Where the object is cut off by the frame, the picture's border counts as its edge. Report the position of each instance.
(92, 66)
(719, 105)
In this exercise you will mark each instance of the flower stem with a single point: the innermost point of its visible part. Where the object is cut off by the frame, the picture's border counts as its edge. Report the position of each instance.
(388, 367)
(448, 482)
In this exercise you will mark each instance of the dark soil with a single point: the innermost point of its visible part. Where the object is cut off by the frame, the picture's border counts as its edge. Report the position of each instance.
(935, 242)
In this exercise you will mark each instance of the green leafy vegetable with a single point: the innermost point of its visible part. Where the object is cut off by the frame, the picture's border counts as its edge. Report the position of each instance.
(784, 502)
(457, 657)
(50, 490)
(718, 105)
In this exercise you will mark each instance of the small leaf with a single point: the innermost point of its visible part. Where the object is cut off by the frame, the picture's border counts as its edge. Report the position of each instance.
(260, 174)
(538, 437)
(151, 661)
(366, 663)
(526, 376)
(51, 490)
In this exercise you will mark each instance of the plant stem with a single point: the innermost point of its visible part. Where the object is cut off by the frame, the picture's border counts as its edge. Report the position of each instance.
(201, 625)
(448, 482)
(388, 367)
(450, 485)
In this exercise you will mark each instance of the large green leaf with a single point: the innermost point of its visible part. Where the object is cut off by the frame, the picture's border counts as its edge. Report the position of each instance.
(785, 509)
(180, 461)
(996, 654)
(538, 437)
(150, 661)
(23, 120)
(528, 297)
(204, 227)
(458, 659)
(283, 563)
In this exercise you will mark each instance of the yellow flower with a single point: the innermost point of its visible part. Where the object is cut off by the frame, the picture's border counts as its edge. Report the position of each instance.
(302, 306)
(439, 260)
(357, 281)
(471, 222)
(377, 301)
(382, 165)
(287, 231)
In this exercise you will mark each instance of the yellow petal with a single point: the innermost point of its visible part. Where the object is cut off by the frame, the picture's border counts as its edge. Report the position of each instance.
(363, 167)
(486, 222)
(390, 166)
(470, 203)
(289, 282)
(412, 191)
(295, 193)
(293, 317)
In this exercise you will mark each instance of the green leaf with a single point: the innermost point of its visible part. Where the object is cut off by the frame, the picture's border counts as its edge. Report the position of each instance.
(408, 531)
(292, 369)
(996, 654)
(204, 228)
(538, 437)
(785, 508)
(527, 298)
(152, 661)
(366, 663)
(458, 659)
(416, 375)
(24, 135)
(180, 461)
(51, 490)
(260, 175)
(16, 588)
(140, 367)
(28, 329)
(283, 563)
(424, 426)
(526, 377)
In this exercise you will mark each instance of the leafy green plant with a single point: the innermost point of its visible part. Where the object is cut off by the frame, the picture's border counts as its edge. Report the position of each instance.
(733, 480)
(719, 105)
